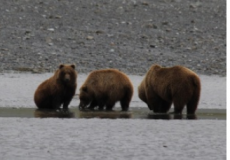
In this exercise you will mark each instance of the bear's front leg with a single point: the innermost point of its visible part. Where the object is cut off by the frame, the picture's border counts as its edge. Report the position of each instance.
(65, 105)
(56, 103)
(92, 105)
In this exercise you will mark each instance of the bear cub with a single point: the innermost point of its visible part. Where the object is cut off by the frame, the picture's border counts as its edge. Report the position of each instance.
(163, 86)
(58, 90)
(103, 88)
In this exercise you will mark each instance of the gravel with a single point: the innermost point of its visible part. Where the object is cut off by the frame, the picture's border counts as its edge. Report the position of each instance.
(130, 35)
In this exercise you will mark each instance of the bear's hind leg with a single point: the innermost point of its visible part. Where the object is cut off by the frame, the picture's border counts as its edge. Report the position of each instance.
(178, 105)
(109, 105)
(46, 104)
(43, 102)
(56, 103)
(192, 105)
(125, 101)
(124, 104)
(165, 106)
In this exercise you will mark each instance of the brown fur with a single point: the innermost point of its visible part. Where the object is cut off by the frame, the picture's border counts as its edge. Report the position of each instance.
(163, 86)
(105, 88)
(58, 89)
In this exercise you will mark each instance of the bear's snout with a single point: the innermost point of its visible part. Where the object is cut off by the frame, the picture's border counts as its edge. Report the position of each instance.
(67, 78)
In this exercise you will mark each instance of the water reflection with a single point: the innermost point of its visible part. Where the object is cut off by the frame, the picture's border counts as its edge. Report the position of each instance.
(44, 113)
(168, 116)
(104, 114)
(132, 114)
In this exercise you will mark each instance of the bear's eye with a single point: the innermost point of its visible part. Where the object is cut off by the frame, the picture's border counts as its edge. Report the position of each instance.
(62, 74)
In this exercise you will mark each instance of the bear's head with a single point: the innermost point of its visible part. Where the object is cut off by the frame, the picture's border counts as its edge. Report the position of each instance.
(85, 97)
(67, 74)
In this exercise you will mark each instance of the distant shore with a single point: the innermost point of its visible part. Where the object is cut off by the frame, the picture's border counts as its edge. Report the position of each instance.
(127, 35)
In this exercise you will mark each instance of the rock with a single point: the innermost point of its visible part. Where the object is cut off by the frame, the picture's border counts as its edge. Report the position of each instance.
(152, 46)
(89, 37)
(151, 26)
(120, 10)
(145, 3)
(51, 29)
(99, 32)
(111, 50)
(164, 23)
(57, 16)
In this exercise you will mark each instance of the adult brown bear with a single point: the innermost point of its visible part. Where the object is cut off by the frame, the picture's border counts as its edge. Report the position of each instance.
(163, 86)
(58, 89)
(105, 88)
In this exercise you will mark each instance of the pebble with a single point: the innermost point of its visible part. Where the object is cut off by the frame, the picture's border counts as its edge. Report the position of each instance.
(89, 37)
(111, 50)
(127, 35)
(50, 29)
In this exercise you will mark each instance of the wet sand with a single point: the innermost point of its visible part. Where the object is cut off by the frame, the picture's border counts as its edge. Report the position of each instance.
(17, 91)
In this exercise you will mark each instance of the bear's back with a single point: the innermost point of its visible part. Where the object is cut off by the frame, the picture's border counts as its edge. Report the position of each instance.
(174, 74)
(173, 79)
(107, 79)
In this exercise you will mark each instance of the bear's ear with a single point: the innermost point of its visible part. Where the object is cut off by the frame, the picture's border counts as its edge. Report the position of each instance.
(85, 89)
(156, 67)
(61, 66)
(73, 66)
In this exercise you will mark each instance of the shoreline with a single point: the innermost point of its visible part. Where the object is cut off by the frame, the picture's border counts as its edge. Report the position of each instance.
(133, 113)
(18, 90)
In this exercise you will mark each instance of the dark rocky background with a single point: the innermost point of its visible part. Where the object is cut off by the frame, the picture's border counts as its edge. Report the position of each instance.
(131, 35)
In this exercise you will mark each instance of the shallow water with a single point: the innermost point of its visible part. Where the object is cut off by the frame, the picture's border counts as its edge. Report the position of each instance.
(133, 113)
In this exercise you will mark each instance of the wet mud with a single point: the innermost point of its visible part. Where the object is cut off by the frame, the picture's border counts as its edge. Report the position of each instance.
(133, 113)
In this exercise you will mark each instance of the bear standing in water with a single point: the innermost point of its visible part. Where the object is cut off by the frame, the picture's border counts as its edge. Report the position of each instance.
(105, 88)
(57, 90)
(163, 86)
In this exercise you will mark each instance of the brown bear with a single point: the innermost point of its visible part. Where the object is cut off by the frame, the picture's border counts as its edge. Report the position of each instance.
(58, 89)
(163, 86)
(105, 88)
